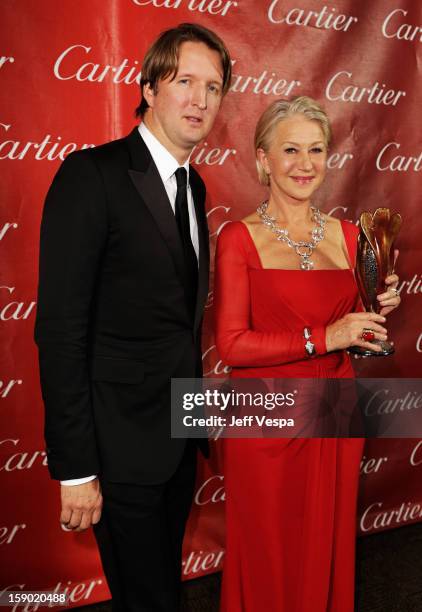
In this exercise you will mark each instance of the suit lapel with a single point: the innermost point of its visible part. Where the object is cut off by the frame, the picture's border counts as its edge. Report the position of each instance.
(204, 258)
(149, 185)
(150, 188)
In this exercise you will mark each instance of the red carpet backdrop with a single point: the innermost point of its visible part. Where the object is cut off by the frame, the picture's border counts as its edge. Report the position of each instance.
(68, 77)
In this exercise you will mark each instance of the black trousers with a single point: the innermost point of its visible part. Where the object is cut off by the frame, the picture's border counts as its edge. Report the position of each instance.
(140, 538)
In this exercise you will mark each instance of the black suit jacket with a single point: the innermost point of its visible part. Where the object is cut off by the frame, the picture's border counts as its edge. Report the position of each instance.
(113, 324)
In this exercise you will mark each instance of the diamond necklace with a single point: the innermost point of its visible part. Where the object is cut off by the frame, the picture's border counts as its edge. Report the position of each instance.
(302, 248)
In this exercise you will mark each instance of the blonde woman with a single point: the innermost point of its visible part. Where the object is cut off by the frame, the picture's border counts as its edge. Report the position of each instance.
(291, 503)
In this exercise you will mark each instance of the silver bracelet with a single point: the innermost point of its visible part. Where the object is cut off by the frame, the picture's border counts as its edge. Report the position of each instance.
(309, 345)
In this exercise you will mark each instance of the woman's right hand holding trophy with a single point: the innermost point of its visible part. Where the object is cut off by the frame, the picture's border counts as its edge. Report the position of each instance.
(362, 333)
(350, 331)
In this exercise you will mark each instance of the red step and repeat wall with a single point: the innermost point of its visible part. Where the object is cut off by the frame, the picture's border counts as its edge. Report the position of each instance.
(69, 74)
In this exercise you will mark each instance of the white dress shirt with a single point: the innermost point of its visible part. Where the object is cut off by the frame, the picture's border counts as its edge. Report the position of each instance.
(166, 166)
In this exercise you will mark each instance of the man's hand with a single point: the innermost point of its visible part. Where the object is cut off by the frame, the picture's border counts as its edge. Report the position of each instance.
(81, 505)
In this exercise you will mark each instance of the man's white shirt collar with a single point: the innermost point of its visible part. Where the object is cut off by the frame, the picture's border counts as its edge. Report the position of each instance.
(167, 166)
(163, 159)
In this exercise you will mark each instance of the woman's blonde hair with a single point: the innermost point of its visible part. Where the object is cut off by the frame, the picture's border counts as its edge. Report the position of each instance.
(279, 111)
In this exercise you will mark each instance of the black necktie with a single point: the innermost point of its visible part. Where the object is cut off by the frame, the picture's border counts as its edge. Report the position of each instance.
(182, 220)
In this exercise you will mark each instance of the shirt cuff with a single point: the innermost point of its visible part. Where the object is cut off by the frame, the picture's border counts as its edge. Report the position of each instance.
(77, 481)
(318, 338)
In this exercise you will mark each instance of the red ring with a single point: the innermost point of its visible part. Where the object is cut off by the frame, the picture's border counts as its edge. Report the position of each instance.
(368, 335)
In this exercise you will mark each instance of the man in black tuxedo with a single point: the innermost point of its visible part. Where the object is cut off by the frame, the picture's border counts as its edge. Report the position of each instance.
(123, 282)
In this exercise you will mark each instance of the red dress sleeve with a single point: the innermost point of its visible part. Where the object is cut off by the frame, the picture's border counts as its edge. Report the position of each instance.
(237, 343)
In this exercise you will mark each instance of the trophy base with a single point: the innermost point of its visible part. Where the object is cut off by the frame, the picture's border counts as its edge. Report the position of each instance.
(386, 349)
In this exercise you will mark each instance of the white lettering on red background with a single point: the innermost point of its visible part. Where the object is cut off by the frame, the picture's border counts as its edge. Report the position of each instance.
(339, 211)
(337, 161)
(8, 534)
(386, 160)
(22, 460)
(216, 156)
(267, 83)
(327, 18)
(15, 310)
(78, 591)
(340, 89)
(5, 60)
(218, 368)
(213, 7)
(407, 511)
(71, 65)
(211, 491)
(6, 227)
(217, 212)
(372, 465)
(412, 286)
(392, 27)
(210, 300)
(419, 344)
(199, 562)
(416, 455)
(6, 387)
(381, 403)
(45, 149)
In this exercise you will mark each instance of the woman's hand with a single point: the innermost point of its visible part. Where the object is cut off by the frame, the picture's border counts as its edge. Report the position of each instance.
(390, 299)
(348, 331)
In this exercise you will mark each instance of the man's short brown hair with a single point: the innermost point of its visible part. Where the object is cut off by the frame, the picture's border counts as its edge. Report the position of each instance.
(162, 58)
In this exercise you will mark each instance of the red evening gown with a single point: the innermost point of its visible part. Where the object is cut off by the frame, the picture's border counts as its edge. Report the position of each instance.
(291, 503)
